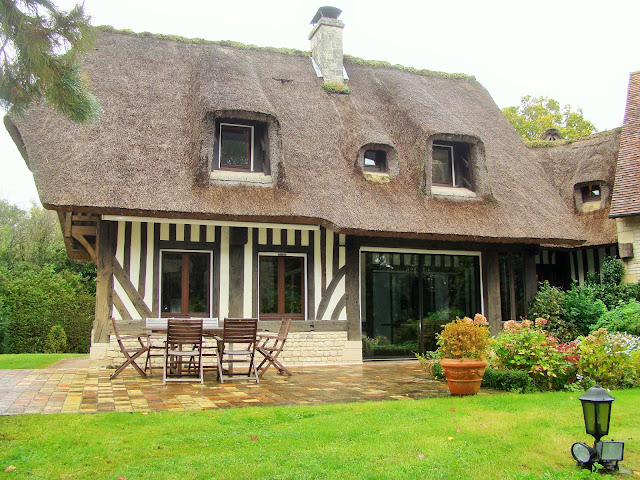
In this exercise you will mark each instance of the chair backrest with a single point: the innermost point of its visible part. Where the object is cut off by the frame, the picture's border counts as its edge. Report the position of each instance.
(116, 333)
(240, 330)
(184, 331)
(284, 329)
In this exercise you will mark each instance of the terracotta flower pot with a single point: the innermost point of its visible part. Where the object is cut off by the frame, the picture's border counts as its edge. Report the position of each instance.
(464, 375)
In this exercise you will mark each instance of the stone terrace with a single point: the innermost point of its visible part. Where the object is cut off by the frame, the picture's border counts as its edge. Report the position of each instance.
(89, 390)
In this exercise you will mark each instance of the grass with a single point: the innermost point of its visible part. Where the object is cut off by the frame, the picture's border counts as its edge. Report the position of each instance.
(33, 360)
(484, 437)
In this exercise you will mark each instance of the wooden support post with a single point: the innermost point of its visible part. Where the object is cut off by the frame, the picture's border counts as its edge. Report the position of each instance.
(530, 277)
(352, 288)
(493, 310)
(104, 281)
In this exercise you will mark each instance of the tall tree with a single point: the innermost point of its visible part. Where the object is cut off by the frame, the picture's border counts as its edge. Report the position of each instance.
(535, 115)
(39, 58)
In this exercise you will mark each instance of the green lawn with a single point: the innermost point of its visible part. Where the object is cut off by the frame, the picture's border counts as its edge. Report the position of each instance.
(33, 360)
(483, 437)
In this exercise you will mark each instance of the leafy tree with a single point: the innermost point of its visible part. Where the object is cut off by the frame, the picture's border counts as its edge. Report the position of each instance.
(535, 115)
(39, 58)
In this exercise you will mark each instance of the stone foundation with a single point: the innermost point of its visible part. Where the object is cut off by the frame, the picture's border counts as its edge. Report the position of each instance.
(301, 348)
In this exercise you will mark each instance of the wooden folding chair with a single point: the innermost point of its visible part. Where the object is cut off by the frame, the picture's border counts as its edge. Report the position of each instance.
(237, 345)
(271, 347)
(131, 354)
(156, 341)
(183, 352)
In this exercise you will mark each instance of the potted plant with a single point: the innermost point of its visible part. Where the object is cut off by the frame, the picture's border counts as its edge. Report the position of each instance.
(464, 345)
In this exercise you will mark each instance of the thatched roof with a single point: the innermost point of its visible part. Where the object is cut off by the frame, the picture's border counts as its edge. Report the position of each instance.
(626, 194)
(585, 160)
(143, 155)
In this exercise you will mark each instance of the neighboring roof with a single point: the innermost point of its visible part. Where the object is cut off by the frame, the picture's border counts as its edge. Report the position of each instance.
(626, 193)
(142, 156)
(584, 160)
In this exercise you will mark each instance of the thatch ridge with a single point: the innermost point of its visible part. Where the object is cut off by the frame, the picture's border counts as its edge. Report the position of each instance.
(349, 59)
(567, 141)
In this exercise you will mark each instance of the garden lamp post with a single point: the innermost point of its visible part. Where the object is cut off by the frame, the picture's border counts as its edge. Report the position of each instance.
(596, 408)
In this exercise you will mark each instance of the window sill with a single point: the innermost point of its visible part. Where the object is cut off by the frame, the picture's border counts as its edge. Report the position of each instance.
(234, 177)
(377, 177)
(452, 192)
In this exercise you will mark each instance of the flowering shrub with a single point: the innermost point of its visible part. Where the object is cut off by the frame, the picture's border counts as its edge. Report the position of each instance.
(465, 338)
(527, 346)
(611, 357)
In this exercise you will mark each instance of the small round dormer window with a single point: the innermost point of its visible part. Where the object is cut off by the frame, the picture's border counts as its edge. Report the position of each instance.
(378, 162)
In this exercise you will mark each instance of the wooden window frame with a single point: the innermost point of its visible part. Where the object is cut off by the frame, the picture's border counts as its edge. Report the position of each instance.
(184, 294)
(249, 167)
(281, 277)
(454, 157)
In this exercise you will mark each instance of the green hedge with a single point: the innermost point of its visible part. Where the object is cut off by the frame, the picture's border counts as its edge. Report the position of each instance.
(507, 380)
(38, 299)
(623, 319)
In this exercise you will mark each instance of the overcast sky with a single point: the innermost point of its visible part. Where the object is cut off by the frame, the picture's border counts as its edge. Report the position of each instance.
(578, 52)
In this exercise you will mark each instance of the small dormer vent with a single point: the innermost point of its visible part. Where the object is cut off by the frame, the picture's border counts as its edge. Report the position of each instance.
(326, 44)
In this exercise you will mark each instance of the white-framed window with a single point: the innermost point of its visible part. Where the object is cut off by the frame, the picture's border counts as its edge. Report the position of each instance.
(235, 146)
(186, 283)
(282, 281)
(451, 165)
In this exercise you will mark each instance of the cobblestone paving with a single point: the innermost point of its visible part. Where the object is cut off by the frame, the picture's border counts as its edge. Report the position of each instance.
(86, 390)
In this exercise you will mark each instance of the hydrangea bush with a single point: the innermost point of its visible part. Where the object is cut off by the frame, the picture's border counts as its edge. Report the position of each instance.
(465, 338)
(526, 346)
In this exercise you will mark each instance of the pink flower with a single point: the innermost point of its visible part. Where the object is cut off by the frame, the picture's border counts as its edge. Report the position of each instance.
(541, 321)
(511, 326)
(467, 320)
(527, 323)
(480, 319)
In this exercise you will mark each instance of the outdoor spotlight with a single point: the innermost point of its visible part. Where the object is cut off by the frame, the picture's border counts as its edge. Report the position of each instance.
(596, 409)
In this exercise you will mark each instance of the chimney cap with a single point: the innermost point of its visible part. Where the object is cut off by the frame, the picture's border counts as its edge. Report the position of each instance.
(326, 12)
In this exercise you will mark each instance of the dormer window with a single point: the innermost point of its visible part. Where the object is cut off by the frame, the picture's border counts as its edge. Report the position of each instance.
(375, 161)
(591, 193)
(236, 147)
(451, 165)
(378, 162)
(590, 196)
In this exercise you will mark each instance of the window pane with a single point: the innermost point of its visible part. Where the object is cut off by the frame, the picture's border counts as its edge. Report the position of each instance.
(171, 282)
(442, 165)
(235, 146)
(198, 283)
(268, 285)
(293, 285)
(462, 166)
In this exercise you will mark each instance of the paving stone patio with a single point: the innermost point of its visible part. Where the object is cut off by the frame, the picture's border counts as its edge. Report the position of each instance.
(86, 390)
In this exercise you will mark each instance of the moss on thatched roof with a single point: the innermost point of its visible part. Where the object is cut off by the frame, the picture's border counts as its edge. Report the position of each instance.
(144, 155)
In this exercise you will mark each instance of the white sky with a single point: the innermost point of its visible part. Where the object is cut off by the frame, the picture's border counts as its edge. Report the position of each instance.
(579, 52)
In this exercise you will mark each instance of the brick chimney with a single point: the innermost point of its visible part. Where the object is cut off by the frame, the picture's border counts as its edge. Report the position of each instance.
(326, 43)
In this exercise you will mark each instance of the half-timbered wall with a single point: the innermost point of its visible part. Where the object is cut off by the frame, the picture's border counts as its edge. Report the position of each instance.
(235, 250)
(581, 261)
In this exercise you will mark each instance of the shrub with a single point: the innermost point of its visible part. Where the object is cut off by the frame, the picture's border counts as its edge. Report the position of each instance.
(430, 363)
(609, 357)
(622, 319)
(527, 347)
(335, 87)
(612, 270)
(56, 341)
(465, 338)
(548, 303)
(39, 298)
(507, 380)
(582, 310)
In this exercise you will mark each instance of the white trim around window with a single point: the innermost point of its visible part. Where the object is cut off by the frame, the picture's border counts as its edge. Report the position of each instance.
(304, 278)
(179, 250)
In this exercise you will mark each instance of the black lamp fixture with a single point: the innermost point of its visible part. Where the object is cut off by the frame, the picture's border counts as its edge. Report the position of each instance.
(596, 408)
